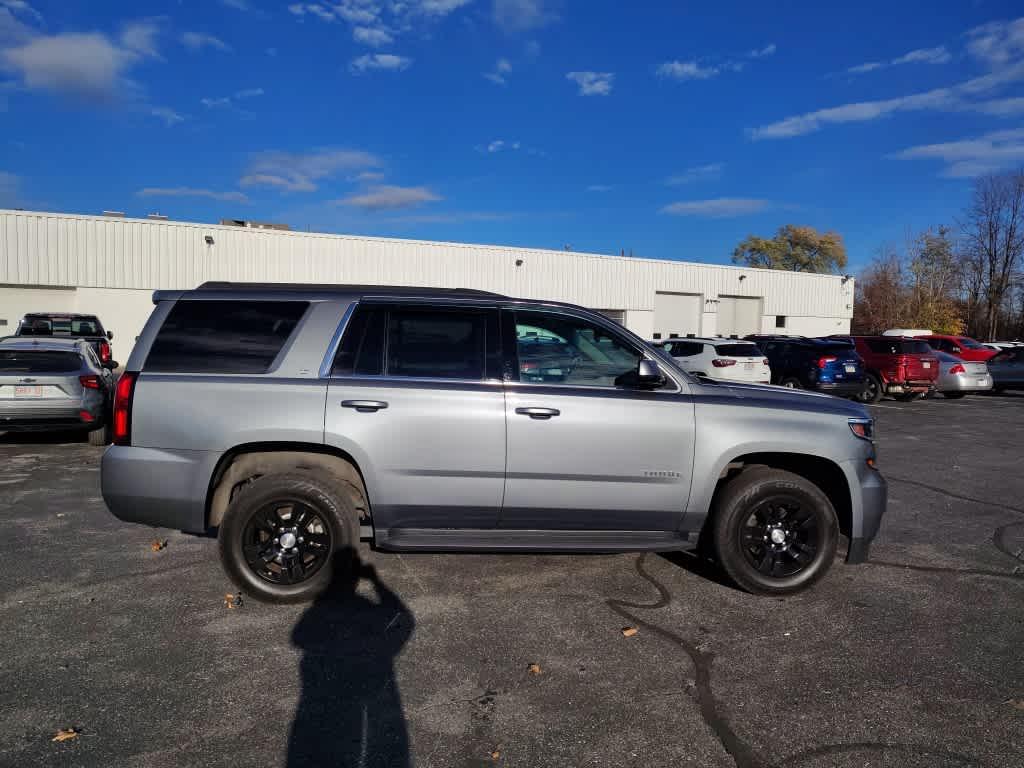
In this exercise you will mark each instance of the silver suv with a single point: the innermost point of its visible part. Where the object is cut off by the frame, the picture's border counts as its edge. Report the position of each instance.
(294, 420)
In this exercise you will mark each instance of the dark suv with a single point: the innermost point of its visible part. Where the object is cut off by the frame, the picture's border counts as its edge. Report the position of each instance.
(825, 365)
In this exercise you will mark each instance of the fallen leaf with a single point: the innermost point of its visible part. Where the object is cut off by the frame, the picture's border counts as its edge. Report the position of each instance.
(534, 669)
(233, 601)
(1015, 703)
(495, 755)
(66, 734)
(629, 631)
(157, 544)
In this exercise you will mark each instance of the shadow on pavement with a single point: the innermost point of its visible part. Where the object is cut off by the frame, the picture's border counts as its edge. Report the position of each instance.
(350, 710)
(43, 437)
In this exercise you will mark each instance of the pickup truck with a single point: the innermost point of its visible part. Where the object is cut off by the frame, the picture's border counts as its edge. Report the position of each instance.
(294, 421)
(70, 326)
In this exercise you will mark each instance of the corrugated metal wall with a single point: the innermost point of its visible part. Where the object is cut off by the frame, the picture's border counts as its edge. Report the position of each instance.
(59, 249)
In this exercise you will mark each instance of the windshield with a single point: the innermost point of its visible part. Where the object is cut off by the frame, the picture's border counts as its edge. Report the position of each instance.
(738, 350)
(58, 325)
(38, 361)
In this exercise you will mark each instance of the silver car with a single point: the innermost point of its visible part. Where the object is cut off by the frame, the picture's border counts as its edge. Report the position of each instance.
(54, 384)
(958, 377)
(294, 420)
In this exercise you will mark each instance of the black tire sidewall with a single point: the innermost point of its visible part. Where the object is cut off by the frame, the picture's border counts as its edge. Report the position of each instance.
(733, 509)
(867, 397)
(795, 382)
(333, 503)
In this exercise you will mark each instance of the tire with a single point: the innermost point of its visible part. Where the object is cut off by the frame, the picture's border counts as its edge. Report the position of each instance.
(792, 383)
(750, 504)
(953, 395)
(100, 436)
(873, 389)
(265, 507)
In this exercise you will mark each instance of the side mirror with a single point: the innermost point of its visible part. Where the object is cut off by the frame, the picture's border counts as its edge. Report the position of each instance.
(110, 335)
(646, 376)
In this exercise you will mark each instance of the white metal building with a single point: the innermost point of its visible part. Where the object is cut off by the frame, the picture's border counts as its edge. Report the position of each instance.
(110, 267)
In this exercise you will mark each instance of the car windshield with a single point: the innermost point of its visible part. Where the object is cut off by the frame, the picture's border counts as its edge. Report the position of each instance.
(38, 361)
(60, 325)
(738, 350)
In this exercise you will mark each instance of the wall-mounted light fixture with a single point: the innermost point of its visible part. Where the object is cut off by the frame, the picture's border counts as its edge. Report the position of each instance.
(519, 262)
(847, 278)
(743, 277)
(209, 239)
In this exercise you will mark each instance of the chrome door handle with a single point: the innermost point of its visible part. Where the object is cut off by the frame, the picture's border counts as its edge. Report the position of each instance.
(538, 413)
(364, 406)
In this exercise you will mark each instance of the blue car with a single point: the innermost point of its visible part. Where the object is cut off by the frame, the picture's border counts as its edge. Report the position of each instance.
(824, 365)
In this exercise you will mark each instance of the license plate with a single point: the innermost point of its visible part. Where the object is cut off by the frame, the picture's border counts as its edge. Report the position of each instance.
(927, 365)
(748, 366)
(850, 368)
(28, 391)
(982, 382)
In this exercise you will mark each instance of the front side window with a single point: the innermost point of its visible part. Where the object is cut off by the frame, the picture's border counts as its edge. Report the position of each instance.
(223, 336)
(560, 349)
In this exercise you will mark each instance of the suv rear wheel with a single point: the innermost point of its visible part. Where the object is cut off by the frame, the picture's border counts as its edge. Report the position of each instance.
(873, 389)
(791, 382)
(774, 533)
(286, 538)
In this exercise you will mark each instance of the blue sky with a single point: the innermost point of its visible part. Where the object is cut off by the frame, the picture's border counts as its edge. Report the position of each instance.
(659, 128)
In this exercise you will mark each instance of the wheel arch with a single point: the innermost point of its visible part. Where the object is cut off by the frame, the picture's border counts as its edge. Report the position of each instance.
(250, 460)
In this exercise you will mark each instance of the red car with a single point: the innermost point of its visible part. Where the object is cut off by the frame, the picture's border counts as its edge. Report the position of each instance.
(903, 367)
(962, 346)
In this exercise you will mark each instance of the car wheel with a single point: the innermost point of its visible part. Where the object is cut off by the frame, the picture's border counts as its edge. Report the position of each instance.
(953, 395)
(286, 538)
(775, 533)
(873, 389)
(100, 436)
(791, 383)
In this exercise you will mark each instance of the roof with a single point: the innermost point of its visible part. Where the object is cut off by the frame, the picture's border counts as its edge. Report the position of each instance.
(344, 290)
(42, 343)
(71, 315)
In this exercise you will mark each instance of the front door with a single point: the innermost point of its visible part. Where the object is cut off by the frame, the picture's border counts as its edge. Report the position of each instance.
(415, 397)
(586, 452)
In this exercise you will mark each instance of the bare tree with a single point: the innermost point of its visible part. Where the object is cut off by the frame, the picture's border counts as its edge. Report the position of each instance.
(994, 241)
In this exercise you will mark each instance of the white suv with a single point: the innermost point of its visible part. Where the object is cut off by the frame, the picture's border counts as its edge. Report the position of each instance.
(720, 358)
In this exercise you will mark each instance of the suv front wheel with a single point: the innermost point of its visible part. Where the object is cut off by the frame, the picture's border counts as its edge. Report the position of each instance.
(775, 532)
(288, 538)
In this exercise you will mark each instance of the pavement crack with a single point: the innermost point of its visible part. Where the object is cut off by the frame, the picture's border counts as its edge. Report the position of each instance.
(710, 710)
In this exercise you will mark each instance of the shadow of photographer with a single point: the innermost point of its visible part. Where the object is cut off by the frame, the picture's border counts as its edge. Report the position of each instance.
(350, 710)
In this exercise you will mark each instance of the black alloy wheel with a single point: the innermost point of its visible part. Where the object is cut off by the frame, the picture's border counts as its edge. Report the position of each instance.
(287, 541)
(779, 537)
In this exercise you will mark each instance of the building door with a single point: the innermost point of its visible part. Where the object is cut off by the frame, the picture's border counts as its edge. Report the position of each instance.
(738, 315)
(677, 314)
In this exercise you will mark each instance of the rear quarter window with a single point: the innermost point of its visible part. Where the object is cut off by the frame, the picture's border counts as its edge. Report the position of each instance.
(223, 336)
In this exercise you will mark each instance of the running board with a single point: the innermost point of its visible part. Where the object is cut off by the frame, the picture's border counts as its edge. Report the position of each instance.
(504, 540)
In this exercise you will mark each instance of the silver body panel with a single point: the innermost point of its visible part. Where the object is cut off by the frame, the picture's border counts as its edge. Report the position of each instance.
(445, 455)
(975, 378)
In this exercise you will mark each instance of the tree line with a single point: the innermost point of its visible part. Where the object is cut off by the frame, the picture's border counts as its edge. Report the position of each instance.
(960, 278)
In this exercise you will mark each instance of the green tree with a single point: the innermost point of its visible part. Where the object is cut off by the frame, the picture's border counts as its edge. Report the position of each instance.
(794, 248)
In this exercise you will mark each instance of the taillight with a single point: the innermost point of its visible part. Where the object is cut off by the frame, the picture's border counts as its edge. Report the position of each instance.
(719, 362)
(765, 361)
(104, 352)
(823, 361)
(123, 409)
(89, 382)
(957, 369)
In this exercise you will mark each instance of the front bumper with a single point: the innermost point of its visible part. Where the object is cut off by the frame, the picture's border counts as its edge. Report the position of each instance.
(869, 496)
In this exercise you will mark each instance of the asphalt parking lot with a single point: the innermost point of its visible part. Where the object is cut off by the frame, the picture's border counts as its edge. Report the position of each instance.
(914, 659)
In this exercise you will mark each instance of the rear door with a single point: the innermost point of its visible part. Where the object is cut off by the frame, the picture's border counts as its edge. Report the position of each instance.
(416, 397)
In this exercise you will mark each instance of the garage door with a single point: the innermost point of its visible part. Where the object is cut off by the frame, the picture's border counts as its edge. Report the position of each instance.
(16, 302)
(738, 315)
(677, 314)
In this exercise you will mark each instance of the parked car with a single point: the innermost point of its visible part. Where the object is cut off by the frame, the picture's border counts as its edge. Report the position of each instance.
(999, 346)
(963, 347)
(958, 377)
(905, 368)
(69, 326)
(54, 384)
(825, 365)
(907, 332)
(719, 358)
(295, 420)
(1007, 369)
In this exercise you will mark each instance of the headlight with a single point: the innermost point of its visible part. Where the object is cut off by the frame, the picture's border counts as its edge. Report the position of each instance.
(863, 428)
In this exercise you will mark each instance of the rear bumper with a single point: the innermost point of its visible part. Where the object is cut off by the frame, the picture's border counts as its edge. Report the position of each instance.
(841, 389)
(903, 387)
(37, 417)
(966, 383)
(158, 487)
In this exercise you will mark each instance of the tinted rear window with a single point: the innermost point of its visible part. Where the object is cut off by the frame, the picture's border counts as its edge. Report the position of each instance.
(899, 347)
(223, 336)
(37, 361)
(436, 344)
(738, 350)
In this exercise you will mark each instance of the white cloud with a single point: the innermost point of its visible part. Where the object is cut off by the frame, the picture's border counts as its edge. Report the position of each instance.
(686, 70)
(599, 188)
(717, 208)
(12, 30)
(296, 172)
(707, 172)
(140, 38)
(227, 101)
(168, 115)
(500, 145)
(1001, 107)
(313, 9)
(23, 8)
(760, 53)
(234, 197)
(967, 158)
(997, 42)
(10, 190)
(195, 41)
(380, 61)
(386, 197)
(592, 83)
(368, 176)
(501, 68)
(441, 7)
(373, 36)
(937, 55)
(522, 15)
(356, 12)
